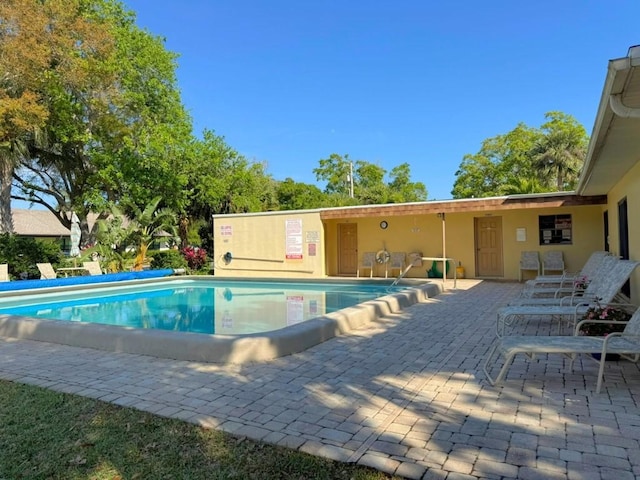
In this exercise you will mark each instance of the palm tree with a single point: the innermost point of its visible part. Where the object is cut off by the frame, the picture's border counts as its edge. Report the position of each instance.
(146, 224)
(520, 185)
(559, 155)
(558, 161)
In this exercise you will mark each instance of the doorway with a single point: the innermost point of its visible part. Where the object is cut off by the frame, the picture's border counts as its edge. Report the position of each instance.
(488, 238)
(347, 248)
(623, 235)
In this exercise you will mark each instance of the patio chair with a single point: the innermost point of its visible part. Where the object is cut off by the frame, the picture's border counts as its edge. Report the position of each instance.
(368, 261)
(544, 284)
(552, 261)
(46, 271)
(92, 267)
(626, 343)
(4, 272)
(604, 290)
(529, 261)
(396, 262)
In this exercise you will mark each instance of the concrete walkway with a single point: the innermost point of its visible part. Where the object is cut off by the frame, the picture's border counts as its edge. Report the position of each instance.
(406, 396)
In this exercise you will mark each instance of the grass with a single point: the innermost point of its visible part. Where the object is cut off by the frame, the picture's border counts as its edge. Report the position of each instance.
(51, 435)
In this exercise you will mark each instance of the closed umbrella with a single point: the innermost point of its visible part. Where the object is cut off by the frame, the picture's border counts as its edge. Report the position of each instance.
(75, 236)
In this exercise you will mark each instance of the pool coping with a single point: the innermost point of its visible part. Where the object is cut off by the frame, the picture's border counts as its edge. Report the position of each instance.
(225, 349)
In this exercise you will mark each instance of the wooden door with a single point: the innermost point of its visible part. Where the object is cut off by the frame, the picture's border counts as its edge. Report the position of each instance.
(488, 234)
(347, 248)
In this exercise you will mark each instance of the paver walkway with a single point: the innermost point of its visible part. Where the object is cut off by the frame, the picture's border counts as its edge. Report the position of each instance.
(406, 396)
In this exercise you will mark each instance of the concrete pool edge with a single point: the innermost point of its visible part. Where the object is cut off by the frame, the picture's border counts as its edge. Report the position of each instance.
(221, 349)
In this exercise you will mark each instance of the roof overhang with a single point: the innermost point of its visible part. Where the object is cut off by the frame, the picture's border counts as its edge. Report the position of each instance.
(614, 147)
(511, 202)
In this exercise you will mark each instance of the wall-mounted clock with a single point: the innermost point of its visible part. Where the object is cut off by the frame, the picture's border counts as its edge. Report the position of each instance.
(383, 224)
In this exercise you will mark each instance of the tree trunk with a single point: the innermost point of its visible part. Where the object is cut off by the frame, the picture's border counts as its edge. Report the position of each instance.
(6, 217)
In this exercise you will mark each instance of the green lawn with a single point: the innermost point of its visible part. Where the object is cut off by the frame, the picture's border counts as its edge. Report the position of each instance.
(49, 435)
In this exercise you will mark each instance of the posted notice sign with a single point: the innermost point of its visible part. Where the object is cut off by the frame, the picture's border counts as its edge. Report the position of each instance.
(293, 239)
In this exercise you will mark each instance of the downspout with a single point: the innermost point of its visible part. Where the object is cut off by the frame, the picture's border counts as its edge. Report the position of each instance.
(615, 100)
(620, 109)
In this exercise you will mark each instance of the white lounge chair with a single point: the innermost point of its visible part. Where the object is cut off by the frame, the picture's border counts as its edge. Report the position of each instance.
(605, 289)
(545, 284)
(626, 343)
(368, 261)
(92, 267)
(607, 272)
(4, 272)
(529, 261)
(46, 271)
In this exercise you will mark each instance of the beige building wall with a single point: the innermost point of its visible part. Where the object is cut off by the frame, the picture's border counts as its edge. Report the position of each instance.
(274, 245)
(424, 234)
(628, 188)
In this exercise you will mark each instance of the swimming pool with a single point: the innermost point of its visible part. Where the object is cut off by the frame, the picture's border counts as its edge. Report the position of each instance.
(200, 318)
(197, 306)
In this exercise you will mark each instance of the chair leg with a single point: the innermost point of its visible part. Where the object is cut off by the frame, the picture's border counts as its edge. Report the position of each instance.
(508, 360)
(602, 361)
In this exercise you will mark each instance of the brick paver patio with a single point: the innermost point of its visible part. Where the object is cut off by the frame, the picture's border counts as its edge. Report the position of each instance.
(406, 396)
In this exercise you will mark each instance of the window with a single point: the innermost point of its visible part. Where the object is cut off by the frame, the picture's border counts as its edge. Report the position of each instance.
(555, 229)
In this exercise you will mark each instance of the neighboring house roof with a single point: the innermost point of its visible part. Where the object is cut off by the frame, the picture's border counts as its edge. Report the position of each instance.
(41, 223)
(38, 223)
(615, 142)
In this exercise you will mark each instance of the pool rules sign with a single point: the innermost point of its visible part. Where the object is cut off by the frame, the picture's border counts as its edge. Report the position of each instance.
(293, 239)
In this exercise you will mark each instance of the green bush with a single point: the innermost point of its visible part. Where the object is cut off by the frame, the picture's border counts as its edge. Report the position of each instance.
(22, 254)
(167, 259)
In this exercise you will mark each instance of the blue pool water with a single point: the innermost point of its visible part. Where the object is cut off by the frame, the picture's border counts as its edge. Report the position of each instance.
(197, 306)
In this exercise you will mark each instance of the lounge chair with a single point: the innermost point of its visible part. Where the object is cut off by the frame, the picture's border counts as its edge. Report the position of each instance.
(607, 269)
(542, 283)
(46, 271)
(605, 288)
(92, 267)
(626, 343)
(529, 261)
(368, 261)
(4, 272)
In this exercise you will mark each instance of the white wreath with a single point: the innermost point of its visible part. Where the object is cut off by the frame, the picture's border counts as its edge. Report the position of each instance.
(382, 256)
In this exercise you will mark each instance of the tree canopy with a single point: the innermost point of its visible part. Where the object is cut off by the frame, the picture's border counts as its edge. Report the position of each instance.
(525, 160)
(368, 181)
(92, 121)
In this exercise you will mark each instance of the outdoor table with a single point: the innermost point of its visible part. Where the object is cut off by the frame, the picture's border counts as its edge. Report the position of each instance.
(73, 271)
(444, 261)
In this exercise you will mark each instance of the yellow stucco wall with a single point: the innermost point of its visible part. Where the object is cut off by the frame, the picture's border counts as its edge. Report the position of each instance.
(261, 246)
(629, 188)
(424, 234)
(258, 242)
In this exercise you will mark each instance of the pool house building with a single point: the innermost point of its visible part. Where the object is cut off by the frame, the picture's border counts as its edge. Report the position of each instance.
(479, 238)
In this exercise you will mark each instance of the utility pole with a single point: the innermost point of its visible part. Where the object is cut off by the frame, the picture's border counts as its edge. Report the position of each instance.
(350, 178)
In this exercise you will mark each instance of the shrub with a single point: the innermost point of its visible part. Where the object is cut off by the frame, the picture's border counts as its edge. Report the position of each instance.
(168, 259)
(604, 312)
(196, 257)
(22, 254)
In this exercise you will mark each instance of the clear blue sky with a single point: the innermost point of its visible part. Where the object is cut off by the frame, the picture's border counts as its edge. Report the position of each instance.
(289, 82)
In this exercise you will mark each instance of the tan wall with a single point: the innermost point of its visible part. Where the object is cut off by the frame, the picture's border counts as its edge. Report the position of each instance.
(258, 242)
(629, 188)
(258, 245)
(587, 237)
(424, 234)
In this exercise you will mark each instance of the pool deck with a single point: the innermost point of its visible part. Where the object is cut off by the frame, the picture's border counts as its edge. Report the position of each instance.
(405, 395)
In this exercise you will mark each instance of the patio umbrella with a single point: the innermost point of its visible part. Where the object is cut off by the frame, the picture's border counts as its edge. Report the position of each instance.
(75, 236)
